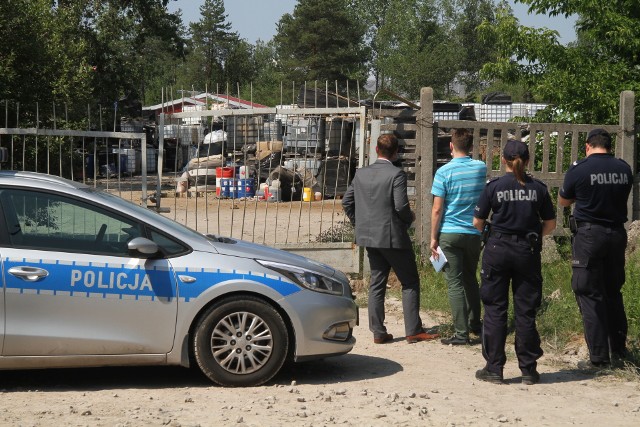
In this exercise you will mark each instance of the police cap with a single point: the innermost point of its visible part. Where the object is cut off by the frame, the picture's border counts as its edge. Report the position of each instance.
(598, 132)
(514, 148)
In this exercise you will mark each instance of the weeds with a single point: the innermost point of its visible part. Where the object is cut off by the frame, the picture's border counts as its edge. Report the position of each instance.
(558, 319)
(340, 232)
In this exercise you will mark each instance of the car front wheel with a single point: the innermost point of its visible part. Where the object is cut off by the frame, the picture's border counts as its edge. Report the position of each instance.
(240, 341)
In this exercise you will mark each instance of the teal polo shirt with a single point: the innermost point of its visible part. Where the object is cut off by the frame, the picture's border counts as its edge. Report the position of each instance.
(459, 183)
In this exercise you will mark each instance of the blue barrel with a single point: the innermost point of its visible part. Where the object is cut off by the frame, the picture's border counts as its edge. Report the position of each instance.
(226, 186)
(246, 188)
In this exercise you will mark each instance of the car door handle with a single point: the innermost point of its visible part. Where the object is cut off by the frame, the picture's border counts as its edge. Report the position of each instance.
(29, 274)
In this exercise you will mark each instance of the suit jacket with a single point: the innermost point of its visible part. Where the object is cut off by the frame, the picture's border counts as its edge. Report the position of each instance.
(377, 205)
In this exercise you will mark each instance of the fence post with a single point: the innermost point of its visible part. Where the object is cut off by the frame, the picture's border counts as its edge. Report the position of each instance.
(627, 141)
(426, 155)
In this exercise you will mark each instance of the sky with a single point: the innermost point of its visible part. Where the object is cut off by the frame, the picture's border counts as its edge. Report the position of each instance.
(256, 19)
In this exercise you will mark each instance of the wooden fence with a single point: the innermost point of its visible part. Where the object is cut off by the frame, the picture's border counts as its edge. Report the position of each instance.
(554, 146)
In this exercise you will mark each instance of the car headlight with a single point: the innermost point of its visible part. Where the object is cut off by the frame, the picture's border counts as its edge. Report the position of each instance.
(306, 278)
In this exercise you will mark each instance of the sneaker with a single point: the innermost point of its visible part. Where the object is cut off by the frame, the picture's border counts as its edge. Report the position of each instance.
(454, 340)
(530, 377)
(422, 336)
(588, 365)
(491, 377)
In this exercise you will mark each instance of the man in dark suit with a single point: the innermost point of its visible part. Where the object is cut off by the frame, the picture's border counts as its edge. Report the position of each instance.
(377, 205)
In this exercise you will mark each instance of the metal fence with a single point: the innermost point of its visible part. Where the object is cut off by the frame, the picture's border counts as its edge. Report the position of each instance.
(95, 157)
(275, 176)
(271, 176)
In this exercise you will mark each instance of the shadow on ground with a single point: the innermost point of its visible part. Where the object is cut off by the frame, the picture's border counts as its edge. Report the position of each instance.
(339, 369)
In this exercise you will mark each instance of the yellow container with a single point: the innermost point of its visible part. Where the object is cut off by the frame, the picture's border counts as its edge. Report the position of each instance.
(306, 194)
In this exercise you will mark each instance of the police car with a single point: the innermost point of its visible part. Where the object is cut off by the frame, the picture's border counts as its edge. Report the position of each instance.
(90, 279)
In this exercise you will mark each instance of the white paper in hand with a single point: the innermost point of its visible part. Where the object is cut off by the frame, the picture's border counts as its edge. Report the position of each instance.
(440, 262)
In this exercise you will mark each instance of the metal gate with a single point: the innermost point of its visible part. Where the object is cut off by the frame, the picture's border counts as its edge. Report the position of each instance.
(92, 157)
(271, 176)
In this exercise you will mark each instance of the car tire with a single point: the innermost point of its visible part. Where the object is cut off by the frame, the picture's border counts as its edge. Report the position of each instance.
(240, 342)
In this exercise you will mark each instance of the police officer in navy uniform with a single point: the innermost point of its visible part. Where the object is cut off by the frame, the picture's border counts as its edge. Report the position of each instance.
(521, 213)
(599, 185)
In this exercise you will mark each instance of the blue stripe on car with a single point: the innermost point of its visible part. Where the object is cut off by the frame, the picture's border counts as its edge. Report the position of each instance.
(121, 279)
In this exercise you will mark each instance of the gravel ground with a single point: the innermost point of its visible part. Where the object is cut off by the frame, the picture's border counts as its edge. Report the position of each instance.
(375, 385)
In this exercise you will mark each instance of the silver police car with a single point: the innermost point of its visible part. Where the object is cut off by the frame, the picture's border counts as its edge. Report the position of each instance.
(90, 279)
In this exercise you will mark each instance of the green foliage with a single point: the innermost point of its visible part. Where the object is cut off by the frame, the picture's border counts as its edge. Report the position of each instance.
(558, 319)
(81, 51)
(416, 43)
(433, 288)
(554, 139)
(418, 54)
(321, 40)
(25, 61)
(217, 54)
(584, 78)
(631, 296)
(267, 88)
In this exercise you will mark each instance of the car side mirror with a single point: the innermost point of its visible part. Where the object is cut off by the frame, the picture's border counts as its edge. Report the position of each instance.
(143, 246)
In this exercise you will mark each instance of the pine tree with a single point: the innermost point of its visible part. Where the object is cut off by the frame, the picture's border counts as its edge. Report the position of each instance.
(321, 40)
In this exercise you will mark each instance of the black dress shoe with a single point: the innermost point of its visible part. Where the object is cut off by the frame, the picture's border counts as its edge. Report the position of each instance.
(454, 340)
(491, 377)
(530, 377)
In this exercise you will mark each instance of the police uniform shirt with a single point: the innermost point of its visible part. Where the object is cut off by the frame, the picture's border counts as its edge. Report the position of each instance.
(517, 209)
(600, 185)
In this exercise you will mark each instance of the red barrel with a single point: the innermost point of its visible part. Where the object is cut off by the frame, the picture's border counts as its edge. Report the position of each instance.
(225, 172)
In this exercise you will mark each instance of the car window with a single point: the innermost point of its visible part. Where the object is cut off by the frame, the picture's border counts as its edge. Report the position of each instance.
(45, 221)
(168, 226)
(168, 245)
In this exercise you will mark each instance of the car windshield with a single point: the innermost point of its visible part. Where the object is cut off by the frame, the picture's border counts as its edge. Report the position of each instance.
(169, 226)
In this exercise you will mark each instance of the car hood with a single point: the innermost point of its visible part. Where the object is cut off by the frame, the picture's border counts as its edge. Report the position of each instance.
(243, 249)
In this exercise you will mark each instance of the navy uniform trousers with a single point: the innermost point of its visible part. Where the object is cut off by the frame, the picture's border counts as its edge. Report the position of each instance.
(509, 259)
(598, 276)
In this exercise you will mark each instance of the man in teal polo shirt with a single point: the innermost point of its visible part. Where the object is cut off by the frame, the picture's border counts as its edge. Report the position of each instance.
(456, 189)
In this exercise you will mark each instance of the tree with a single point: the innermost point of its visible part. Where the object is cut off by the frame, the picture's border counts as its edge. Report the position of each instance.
(121, 29)
(25, 61)
(474, 52)
(322, 40)
(426, 42)
(218, 56)
(266, 88)
(371, 14)
(415, 49)
(583, 78)
(80, 51)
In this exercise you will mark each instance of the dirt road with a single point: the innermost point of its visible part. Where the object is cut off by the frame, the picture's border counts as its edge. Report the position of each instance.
(376, 385)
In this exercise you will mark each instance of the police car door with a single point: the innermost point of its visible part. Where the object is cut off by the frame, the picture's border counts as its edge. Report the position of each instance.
(72, 288)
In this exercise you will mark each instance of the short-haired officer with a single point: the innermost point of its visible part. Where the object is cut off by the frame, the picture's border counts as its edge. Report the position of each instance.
(521, 213)
(599, 185)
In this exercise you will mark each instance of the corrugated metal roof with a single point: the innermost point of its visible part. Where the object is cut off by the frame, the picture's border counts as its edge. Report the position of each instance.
(176, 102)
(230, 101)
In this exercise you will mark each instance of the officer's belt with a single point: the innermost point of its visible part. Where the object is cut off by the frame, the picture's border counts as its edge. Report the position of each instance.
(515, 237)
(582, 224)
